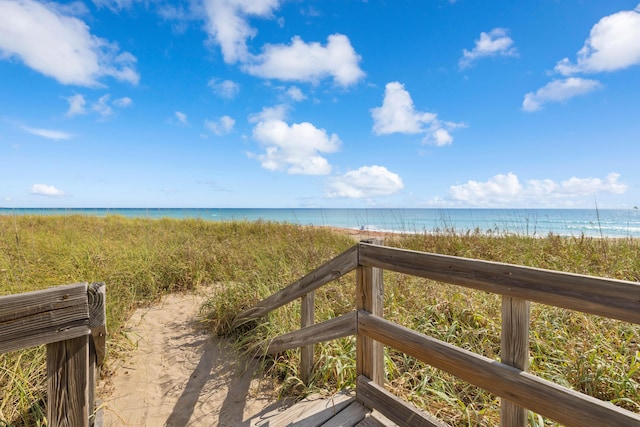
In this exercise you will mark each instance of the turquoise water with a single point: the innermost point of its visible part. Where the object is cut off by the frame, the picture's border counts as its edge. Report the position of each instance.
(530, 222)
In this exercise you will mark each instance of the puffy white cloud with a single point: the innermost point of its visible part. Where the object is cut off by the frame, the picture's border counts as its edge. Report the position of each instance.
(60, 46)
(77, 105)
(221, 126)
(228, 27)
(225, 88)
(494, 43)
(308, 62)
(367, 181)
(398, 115)
(558, 91)
(295, 94)
(295, 148)
(277, 112)
(46, 190)
(54, 135)
(506, 190)
(613, 44)
(103, 107)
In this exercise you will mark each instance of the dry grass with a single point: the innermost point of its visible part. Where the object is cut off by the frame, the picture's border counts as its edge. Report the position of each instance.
(140, 259)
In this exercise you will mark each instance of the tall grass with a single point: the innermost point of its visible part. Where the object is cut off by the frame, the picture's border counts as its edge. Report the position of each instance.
(139, 260)
(142, 259)
(591, 354)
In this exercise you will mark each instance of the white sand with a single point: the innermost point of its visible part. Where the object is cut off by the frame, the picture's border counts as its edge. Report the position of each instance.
(180, 376)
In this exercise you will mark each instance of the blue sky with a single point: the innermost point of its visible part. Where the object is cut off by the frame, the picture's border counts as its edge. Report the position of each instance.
(275, 103)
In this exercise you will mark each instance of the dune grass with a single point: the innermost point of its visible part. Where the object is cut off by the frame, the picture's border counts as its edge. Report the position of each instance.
(142, 259)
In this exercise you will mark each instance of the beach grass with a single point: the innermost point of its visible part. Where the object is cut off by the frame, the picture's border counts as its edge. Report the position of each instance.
(142, 259)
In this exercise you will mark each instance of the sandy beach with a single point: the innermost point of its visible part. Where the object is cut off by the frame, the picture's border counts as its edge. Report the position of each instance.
(179, 375)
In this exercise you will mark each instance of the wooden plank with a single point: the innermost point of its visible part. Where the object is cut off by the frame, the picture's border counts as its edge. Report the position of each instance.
(349, 416)
(370, 297)
(309, 413)
(327, 272)
(611, 298)
(561, 404)
(337, 327)
(43, 317)
(392, 407)
(96, 295)
(307, 314)
(67, 383)
(514, 352)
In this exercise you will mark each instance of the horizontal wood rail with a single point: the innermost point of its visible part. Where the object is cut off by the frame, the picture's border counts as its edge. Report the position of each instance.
(520, 391)
(71, 321)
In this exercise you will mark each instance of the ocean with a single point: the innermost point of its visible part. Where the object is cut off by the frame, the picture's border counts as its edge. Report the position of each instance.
(618, 223)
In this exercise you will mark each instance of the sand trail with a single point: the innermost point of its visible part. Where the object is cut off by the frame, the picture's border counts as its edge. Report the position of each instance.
(181, 376)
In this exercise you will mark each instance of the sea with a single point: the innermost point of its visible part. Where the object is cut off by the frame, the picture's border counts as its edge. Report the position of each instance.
(609, 223)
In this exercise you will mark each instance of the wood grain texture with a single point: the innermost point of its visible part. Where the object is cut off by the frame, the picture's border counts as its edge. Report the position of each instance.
(337, 327)
(309, 412)
(68, 383)
(307, 316)
(348, 417)
(397, 410)
(561, 404)
(331, 270)
(514, 351)
(42, 317)
(611, 298)
(97, 299)
(370, 298)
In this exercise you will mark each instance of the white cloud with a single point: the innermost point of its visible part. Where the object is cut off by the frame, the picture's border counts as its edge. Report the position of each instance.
(123, 102)
(494, 43)
(77, 105)
(367, 181)
(295, 148)
(60, 46)
(226, 88)
(46, 190)
(506, 190)
(54, 135)
(182, 118)
(115, 5)
(221, 126)
(308, 62)
(613, 44)
(558, 91)
(102, 106)
(228, 27)
(295, 94)
(277, 112)
(398, 115)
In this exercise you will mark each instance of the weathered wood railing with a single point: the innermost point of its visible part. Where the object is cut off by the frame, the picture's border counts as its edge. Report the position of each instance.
(71, 321)
(507, 379)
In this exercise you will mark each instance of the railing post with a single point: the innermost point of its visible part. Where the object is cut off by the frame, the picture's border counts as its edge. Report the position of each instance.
(370, 298)
(68, 382)
(515, 352)
(96, 295)
(307, 314)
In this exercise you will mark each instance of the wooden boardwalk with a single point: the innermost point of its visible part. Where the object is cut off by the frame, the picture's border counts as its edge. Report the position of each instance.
(340, 410)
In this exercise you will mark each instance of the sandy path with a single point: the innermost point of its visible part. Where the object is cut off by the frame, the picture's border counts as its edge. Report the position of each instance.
(180, 376)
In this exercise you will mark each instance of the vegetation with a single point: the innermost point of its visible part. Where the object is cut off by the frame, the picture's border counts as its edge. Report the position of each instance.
(141, 259)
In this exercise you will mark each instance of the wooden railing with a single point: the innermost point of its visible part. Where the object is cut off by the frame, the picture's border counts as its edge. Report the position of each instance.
(520, 391)
(71, 321)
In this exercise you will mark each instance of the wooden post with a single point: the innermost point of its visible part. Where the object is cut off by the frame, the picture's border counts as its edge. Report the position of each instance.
(514, 352)
(96, 296)
(370, 297)
(307, 314)
(68, 382)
